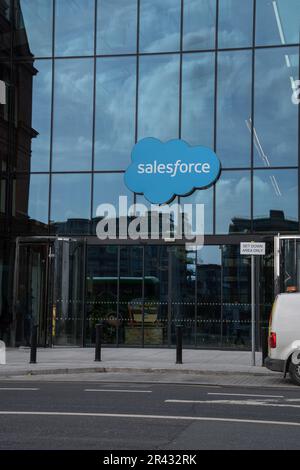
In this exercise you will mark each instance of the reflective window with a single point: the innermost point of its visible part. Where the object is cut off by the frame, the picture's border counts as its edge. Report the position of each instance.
(276, 200)
(74, 27)
(199, 24)
(160, 25)
(41, 115)
(117, 26)
(234, 108)
(102, 292)
(235, 23)
(182, 290)
(131, 296)
(70, 197)
(35, 27)
(107, 189)
(39, 198)
(204, 197)
(198, 82)
(3, 196)
(20, 106)
(277, 22)
(5, 31)
(115, 112)
(209, 279)
(73, 115)
(157, 294)
(5, 73)
(233, 202)
(276, 116)
(159, 97)
(236, 294)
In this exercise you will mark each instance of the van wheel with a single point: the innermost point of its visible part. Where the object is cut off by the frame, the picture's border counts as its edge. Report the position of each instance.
(294, 371)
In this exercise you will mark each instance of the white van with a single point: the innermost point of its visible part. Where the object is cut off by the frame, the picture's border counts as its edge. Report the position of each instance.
(284, 336)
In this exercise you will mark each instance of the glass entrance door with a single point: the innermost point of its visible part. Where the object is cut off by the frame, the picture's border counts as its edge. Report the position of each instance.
(32, 293)
(67, 315)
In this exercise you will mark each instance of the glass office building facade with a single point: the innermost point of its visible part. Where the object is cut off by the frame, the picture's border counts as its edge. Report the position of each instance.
(87, 79)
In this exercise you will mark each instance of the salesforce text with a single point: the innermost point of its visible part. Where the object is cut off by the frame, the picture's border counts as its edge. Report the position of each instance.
(173, 168)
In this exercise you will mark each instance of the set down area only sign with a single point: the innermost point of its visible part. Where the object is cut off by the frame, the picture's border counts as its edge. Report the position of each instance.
(252, 248)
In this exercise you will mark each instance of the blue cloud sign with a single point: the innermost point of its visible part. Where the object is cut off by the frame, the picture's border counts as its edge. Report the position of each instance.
(162, 171)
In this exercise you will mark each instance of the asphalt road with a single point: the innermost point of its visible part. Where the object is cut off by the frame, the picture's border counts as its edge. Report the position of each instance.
(91, 415)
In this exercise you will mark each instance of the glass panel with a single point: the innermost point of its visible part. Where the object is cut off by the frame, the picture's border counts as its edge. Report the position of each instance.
(115, 112)
(236, 288)
(74, 27)
(107, 189)
(34, 20)
(159, 97)
(5, 73)
(39, 198)
(73, 115)
(5, 292)
(5, 32)
(160, 25)
(202, 197)
(277, 22)
(131, 299)
(30, 201)
(67, 313)
(70, 202)
(157, 318)
(275, 73)
(183, 278)
(102, 293)
(234, 108)
(199, 24)
(235, 23)
(233, 202)
(20, 108)
(41, 115)
(276, 200)
(30, 302)
(2, 197)
(209, 297)
(117, 26)
(198, 82)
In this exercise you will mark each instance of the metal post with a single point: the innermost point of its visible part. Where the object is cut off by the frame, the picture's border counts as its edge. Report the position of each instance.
(33, 344)
(253, 309)
(178, 344)
(98, 342)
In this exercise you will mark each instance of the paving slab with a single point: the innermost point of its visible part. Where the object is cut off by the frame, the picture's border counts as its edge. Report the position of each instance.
(143, 360)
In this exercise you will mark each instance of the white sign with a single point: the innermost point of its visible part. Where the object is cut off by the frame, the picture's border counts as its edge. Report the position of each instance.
(2, 92)
(253, 248)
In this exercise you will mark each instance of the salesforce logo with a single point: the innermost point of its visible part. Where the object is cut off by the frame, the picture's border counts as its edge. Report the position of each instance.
(162, 171)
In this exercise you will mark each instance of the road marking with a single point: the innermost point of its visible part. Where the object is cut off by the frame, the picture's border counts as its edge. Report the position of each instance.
(120, 391)
(246, 395)
(158, 417)
(236, 402)
(19, 388)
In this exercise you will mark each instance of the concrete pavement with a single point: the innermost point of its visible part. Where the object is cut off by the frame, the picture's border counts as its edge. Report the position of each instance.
(79, 360)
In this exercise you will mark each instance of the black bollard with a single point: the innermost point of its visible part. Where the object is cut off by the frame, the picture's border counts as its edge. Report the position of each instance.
(34, 334)
(98, 342)
(178, 344)
(264, 344)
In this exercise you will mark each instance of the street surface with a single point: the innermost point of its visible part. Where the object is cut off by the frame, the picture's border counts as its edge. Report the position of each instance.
(86, 414)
